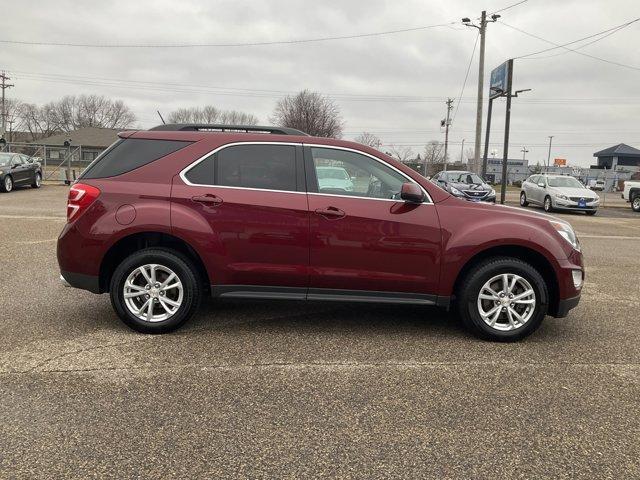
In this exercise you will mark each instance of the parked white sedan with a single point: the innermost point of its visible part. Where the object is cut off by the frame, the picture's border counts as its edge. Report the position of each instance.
(558, 192)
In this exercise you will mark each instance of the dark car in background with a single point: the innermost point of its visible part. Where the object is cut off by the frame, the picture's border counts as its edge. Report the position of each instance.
(18, 170)
(466, 185)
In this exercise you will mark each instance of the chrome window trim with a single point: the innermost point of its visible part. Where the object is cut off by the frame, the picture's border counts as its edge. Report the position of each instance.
(183, 177)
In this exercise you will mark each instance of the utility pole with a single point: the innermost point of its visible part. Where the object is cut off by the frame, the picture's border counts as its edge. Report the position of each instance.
(549, 154)
(462, 152)
(524, 153)
(4, 85)
(482, 28)
(445, 123)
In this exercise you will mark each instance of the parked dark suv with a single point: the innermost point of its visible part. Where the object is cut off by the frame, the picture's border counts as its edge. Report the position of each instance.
(168, 215)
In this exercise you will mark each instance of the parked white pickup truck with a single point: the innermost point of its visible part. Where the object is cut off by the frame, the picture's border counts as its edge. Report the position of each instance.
(631, 193)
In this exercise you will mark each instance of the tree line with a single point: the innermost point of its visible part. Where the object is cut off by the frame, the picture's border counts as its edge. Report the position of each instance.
(308, 111)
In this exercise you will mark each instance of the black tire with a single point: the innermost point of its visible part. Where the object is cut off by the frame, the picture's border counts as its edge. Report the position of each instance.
(591, 212)
(548, 204)
(7, 184)
(186, 273)
(523, 199)
(635, 203)
(37, 180)
(469, 290)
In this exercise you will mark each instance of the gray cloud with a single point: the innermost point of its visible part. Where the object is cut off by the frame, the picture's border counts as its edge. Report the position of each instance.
(428, 63)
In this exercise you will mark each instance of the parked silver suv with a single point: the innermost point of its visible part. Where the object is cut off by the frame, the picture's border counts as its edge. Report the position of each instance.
(558, 192)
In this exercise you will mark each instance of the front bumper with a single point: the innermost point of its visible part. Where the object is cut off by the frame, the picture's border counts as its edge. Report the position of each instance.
(561, 204)
(564, 305)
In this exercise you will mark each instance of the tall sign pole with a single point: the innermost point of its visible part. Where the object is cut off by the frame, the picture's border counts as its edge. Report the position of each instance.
(447, 123)
(486, 138)
(507, 121)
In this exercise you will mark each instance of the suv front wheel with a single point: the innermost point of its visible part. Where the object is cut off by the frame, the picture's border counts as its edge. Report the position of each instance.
(155, 290)
(502, 299)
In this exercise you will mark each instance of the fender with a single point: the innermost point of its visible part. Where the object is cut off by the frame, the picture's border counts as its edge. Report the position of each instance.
(470, 229)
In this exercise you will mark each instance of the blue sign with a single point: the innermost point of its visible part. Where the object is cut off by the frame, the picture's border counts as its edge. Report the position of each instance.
(498, 85)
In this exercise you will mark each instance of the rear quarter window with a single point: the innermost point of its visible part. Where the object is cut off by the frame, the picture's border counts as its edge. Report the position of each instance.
(128, 154)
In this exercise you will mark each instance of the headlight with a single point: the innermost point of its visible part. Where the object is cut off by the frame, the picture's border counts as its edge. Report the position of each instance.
(456, 192)
(492, 193)
(566, 231)
(563, 197)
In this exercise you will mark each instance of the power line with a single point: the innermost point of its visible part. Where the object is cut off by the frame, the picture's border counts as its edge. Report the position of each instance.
(464, 83)
(222, 45)
(509, 6)
(615, 29)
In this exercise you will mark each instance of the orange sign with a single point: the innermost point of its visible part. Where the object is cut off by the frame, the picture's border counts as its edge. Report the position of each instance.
(560, 162)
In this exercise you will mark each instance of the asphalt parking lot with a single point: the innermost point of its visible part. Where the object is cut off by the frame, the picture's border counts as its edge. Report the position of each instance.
(290, 390)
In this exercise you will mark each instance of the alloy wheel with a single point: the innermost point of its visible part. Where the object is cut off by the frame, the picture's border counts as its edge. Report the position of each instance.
(38, 179)
(636, 204)
(8, 184)
(153, 293)
(506, 302)
(523, 199)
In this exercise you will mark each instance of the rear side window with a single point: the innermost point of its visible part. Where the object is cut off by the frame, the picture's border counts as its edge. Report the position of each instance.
(128, 154)
(270, 167)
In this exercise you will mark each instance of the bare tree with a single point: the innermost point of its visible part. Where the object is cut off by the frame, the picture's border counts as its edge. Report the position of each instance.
(233, 117)
(434, 152)
(38, 121)
(210, 114)
(400, 153)
(310, 112)
(73, 112)
(369, 139)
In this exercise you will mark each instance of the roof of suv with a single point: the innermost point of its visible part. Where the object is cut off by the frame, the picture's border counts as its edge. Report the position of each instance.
(195, 127)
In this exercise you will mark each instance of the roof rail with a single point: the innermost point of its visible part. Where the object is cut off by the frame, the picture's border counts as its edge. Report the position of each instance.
(196, 127)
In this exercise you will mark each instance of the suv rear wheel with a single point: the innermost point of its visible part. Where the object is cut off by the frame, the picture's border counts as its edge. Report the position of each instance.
(155, 290)
(635, 202)
(502, 299)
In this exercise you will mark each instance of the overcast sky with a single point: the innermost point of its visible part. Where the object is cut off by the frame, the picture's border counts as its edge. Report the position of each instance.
(392, 85)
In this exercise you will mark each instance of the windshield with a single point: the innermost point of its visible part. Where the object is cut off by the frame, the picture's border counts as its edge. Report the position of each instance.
(564, 182)
(5, 158)
(465, 177)
(335, 173)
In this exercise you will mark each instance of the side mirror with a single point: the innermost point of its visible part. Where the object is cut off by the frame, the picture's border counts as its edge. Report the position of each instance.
(541, 184)
(411, 192)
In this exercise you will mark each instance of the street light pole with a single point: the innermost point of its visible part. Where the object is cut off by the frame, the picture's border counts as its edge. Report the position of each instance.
(549, 154)
(524, 153)
(482, 28)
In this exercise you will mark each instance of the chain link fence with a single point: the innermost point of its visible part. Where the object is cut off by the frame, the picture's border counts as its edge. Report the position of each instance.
(59, 163)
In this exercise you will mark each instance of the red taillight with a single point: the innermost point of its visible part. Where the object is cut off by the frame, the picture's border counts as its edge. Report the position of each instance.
(80, 197)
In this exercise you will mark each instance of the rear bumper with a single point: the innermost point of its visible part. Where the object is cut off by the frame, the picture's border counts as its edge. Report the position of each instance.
(79, 280)
(564, 305)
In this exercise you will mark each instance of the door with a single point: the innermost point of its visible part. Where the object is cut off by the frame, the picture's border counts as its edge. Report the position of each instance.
(252, 202)
(365, 239)
(19, 170)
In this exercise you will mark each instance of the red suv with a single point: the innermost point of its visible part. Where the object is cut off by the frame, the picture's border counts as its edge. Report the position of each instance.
(168, 215)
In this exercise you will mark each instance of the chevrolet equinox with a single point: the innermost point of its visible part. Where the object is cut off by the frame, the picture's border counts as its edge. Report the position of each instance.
(166, 216)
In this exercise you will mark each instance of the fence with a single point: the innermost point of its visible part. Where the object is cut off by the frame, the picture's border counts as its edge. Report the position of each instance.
(59, 163)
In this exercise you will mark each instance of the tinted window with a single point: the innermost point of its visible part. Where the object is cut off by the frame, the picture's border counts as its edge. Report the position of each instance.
(366, 177)
(271, 167)
(202, 173)
(129, 154)
(16, 160)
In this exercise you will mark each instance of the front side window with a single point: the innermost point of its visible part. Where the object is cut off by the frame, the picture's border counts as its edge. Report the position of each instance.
(341, 172)
(16, 160)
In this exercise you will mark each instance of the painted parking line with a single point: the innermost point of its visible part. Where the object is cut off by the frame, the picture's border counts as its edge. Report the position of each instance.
(608, 237)
(33, 217)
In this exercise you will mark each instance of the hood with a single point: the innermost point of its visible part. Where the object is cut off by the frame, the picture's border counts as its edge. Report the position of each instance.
(483, 187)
(573, 192)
